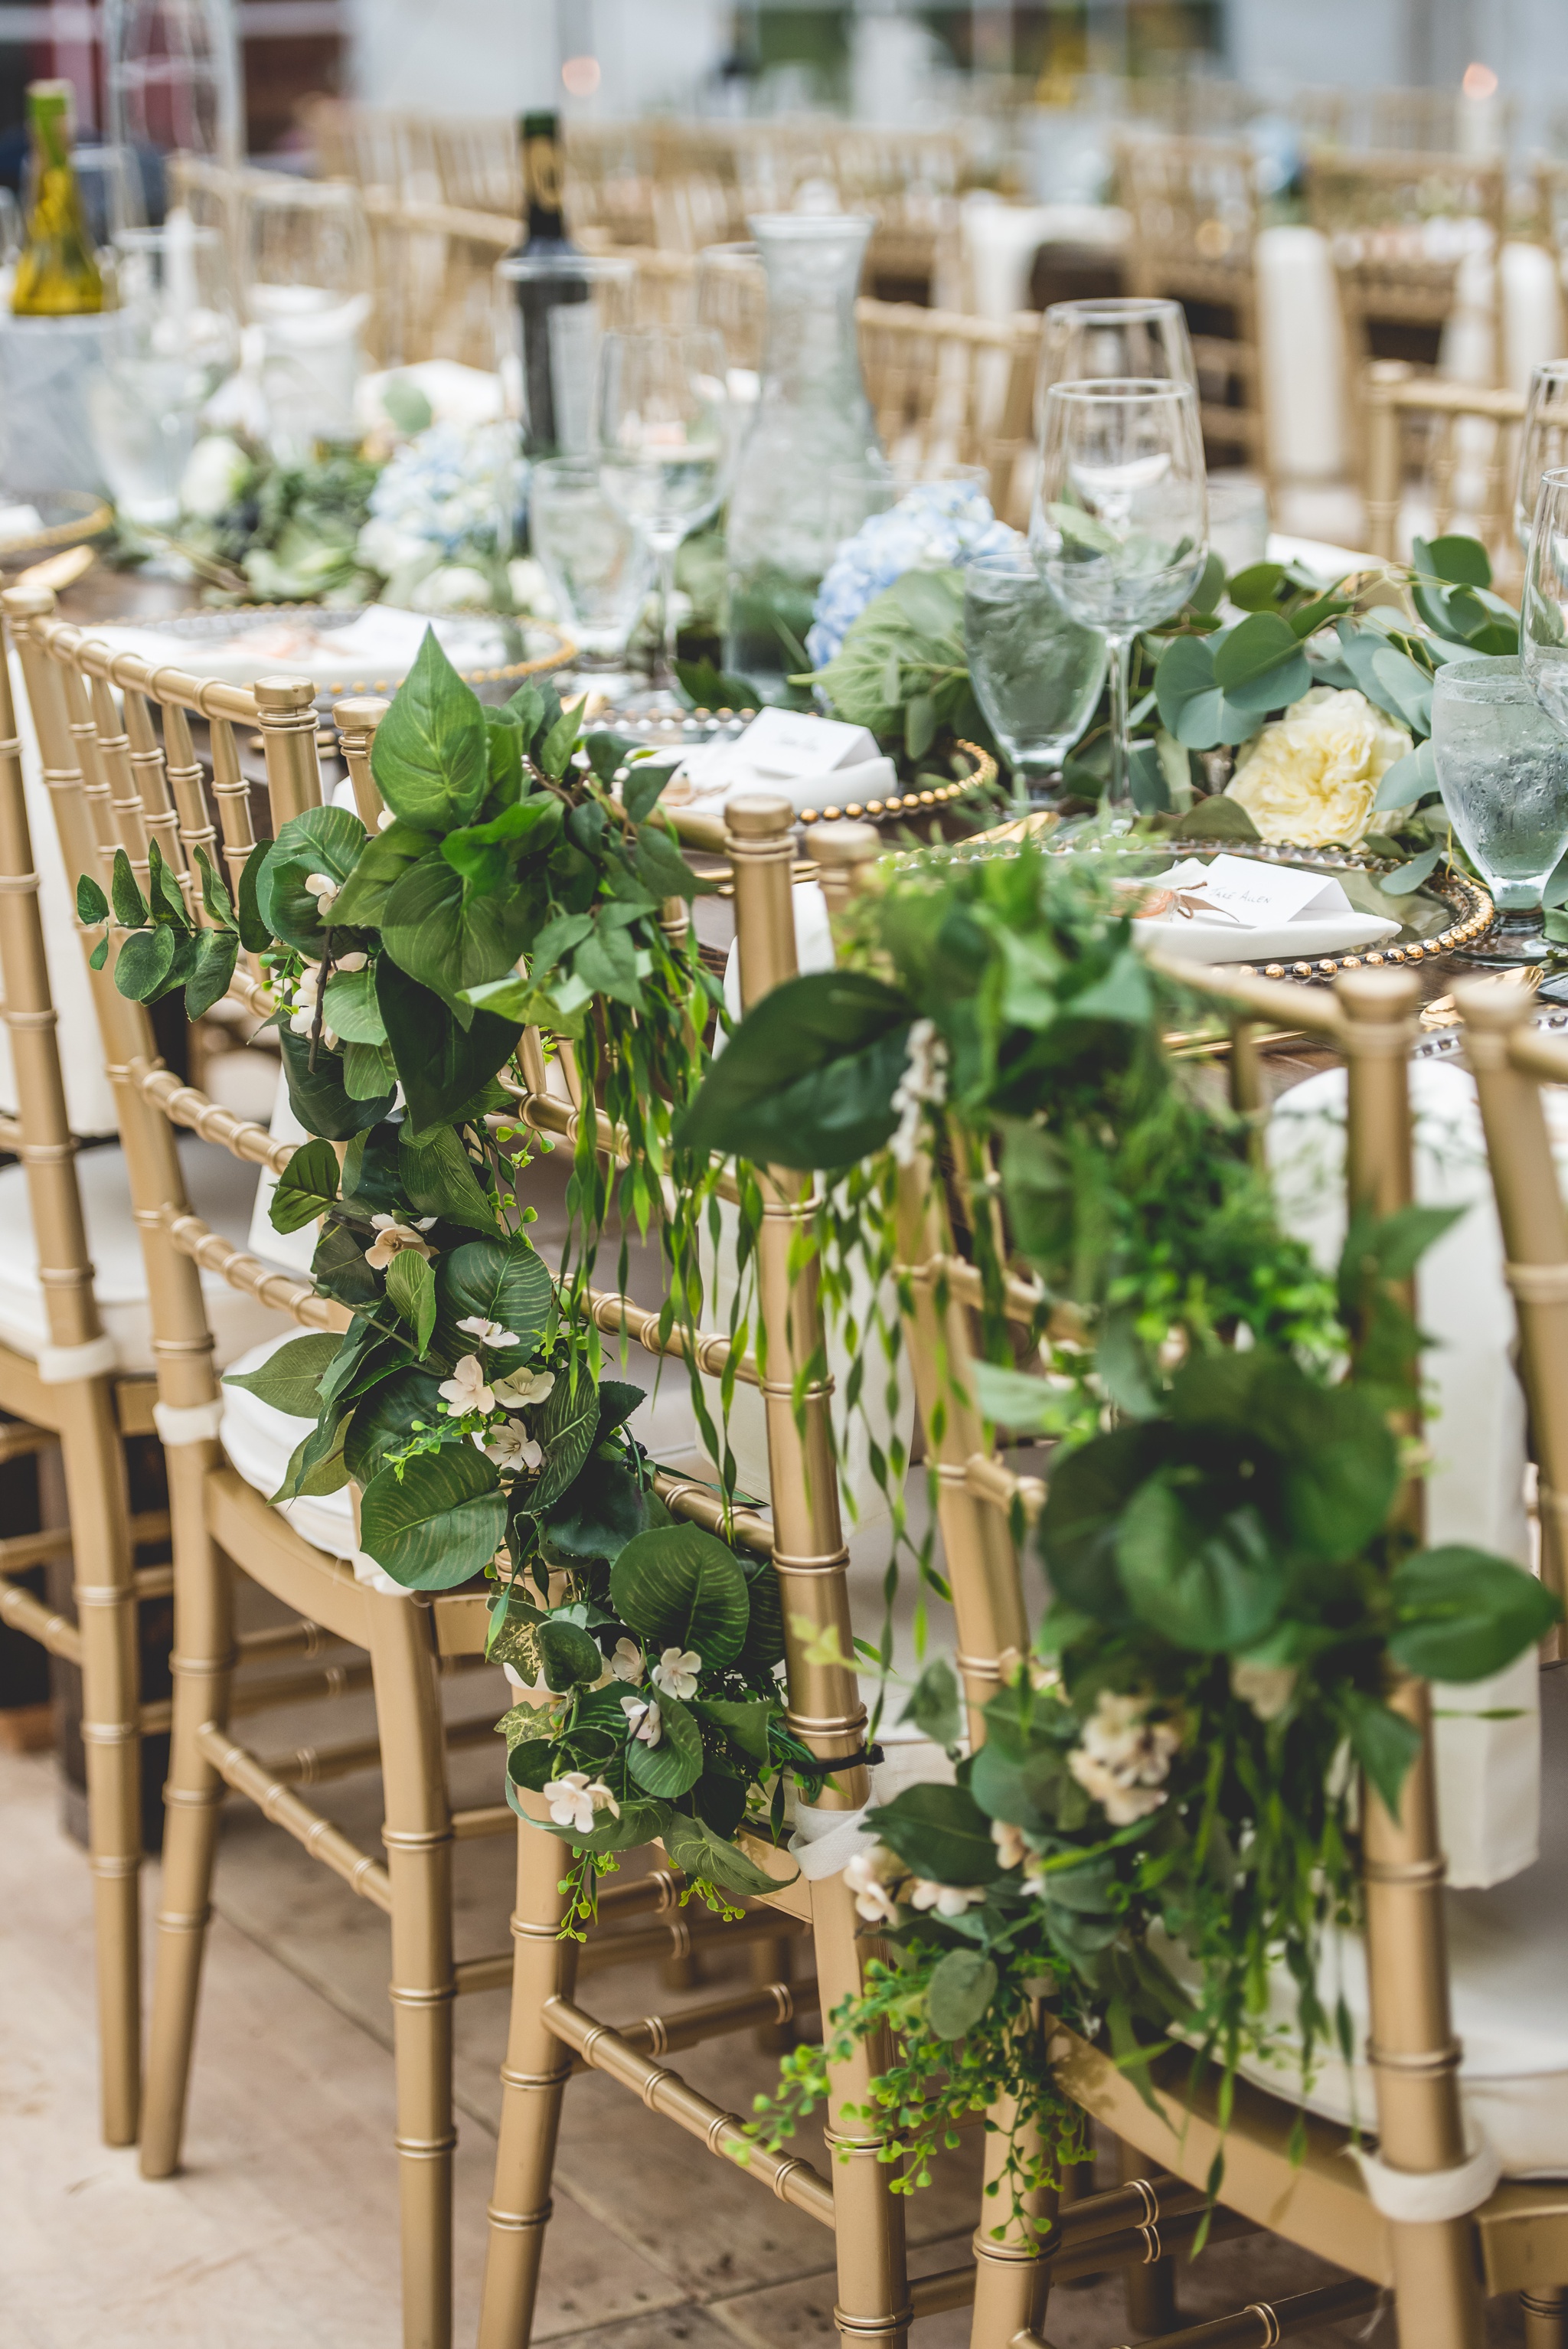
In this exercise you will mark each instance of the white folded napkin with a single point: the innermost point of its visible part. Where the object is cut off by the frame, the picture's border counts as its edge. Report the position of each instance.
(817, 762)
(1240, 909)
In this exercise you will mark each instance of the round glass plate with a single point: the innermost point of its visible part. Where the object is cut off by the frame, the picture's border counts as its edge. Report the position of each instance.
(365, 648)
(65, 518)
(698, 728)
(1446, 913)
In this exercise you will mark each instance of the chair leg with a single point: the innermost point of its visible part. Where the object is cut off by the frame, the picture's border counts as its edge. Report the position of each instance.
(99, 1511)
(1546, 2313)
(419, 1838)
(203, 1666)
(1151, 2291)
(873, 2309)
(1011, 2277)
(533, 2080)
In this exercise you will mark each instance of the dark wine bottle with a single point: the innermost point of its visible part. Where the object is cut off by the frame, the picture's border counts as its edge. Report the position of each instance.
(552, 294)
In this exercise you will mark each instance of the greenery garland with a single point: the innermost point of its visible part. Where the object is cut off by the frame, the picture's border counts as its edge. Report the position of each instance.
(1162, 1790)
(510, 885)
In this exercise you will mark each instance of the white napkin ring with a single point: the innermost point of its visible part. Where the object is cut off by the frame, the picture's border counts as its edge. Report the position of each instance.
(60, 1366)
(1428, 2197)
(178, 1424)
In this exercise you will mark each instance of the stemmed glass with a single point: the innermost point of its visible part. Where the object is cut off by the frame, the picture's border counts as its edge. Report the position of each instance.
(169, 345)
(599, 566)
(1502, 768)
(661, 415)
(1543, 440)
(1127, 334)
(308, 272)
(1123, 520)
(1036, 675)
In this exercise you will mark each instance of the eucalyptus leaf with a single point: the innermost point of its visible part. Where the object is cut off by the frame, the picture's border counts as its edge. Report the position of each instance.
(960, 1992)
(145, 961)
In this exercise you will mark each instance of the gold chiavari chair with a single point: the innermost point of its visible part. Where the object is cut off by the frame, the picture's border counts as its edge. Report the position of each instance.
(1427, 2220)
(1414, 450)
(947, 388)
(1194, 207)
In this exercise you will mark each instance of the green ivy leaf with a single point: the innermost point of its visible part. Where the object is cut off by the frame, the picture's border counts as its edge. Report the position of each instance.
(431, 756)
(1462, 1614)
(319, 1096)
(450, 937)
(961, 1988)
(436, 1521)
(306, 1189)
(411, 1286)
(289, 1379)
(323, 840)
(382, 860)
(440, 1063)
(678, 1587)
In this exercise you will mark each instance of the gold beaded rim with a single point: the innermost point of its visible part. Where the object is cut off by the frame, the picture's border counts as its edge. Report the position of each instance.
(94, 518)
(336, 688)
(911, 803)
(1471, 902)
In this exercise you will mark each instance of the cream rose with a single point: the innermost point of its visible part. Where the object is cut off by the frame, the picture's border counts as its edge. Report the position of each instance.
(1309, 778)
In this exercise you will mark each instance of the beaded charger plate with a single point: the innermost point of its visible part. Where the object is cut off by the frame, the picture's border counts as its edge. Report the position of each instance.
(252, 640)
(1447, 913)
(698, 728)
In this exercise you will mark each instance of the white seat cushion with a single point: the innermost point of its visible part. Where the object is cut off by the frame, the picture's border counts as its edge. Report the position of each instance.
(260, 1441)
(1505, 1960)
(221, 1189)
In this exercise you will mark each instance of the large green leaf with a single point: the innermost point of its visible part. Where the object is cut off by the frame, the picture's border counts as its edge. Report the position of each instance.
(306, 1189)
(323, 840)
(1462, 1614)
(290, 1379)
(599, 1511)
(941, 1832)
(386, 857)
(430, 755)
(564, 1424)
(1383, 1742)
(385, 1420)
(695, 1848)
(744, 1719)
(316, 1464)
(350, 1009)
(439, 1179)
(962, 1988)
(318, 1097)
(568, 1655)
(677, 1587)
(1204, 1585)
(448, 936)
(497, 1280)
(1082, 1518)
(441, 1064)
(437, 1521)
(675, 1764)
(935, 1704)
(808, 1078)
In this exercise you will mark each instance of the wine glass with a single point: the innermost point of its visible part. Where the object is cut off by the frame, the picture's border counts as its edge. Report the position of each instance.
(662, 410)
(167, 346)
(1126, 334)
(1543, 440)
(1036, 675)
(599, 566)
(1123, 520)
(1502, 768)
(308, 278)
(173, 77)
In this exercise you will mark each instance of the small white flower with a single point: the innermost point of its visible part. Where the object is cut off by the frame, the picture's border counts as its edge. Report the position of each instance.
(392, 1238)
(509, 1447)
(676, 1672)
(627, 1662)
(644, 1719)
(216, 471)
(466, 1390)
(1008, 1839)
(946, 1899)
(351, 962)
(1267, 1688)
(871, 1875)
(571, 1801)
(924, 1082)
(1123, 1757)
(601, 1797)
(523, 1387)
(488, 1333)
(324, 889)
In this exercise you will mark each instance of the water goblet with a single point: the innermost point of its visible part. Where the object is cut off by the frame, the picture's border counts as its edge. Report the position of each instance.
(1122, 334)
(1122, 520)
(1543, 440)
(308, 276)
(167, 346)
(599, 567)
(1502, 768)
(661, 414)
(1035, 674)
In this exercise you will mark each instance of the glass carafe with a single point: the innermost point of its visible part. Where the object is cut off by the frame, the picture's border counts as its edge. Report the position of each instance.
(812, 416)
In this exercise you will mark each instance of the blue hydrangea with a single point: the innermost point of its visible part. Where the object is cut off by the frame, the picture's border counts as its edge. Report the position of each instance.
(936, 525)
(450, 487)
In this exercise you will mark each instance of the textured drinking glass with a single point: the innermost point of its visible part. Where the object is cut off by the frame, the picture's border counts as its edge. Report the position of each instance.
(1502, 767)
(1543, 440)
(661, 412)
(599, 567)
(308, 279)
(1122, 520)
(1035, 674)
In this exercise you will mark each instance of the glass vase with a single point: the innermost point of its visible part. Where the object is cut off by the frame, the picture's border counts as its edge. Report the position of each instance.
(812, 418)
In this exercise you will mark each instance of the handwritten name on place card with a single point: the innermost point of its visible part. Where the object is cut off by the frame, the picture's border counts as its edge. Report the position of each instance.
(1256, 895)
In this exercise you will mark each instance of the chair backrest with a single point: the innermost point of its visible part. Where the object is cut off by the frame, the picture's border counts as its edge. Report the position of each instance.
(1450, 448)
(1193, 208)
(947, 388)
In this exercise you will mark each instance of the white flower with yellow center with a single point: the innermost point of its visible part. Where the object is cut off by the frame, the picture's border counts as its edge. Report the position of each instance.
(509, 1447)
(627, 1664)
(1309, 778)
(392, 1238)
(523, 1387)
(574, 1800)
(676, 1672)
(466, 1390)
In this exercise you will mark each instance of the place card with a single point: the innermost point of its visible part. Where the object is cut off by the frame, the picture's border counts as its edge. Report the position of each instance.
(1254, 896)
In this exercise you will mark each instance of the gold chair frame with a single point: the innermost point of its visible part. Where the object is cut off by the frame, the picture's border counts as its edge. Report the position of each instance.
(1398, 404)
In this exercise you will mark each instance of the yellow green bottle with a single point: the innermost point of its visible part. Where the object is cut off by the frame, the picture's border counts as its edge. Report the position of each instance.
(58, 275)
